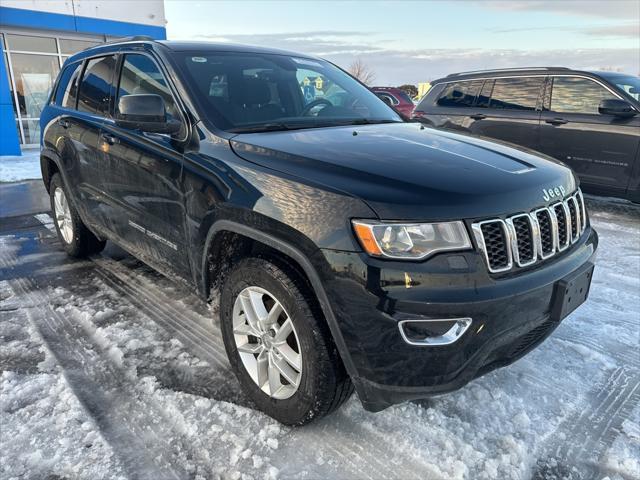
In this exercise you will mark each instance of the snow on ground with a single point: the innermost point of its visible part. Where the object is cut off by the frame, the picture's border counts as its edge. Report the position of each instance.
(20, 167)
(623, 456)
(44, 429)
(110, 370)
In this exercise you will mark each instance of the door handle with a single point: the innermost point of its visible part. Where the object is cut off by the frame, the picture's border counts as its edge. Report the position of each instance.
(478, 116)
(556, 121)
(110, 139)
(64, 123)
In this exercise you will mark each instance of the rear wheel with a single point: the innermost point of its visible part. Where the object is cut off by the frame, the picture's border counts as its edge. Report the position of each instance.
(75, 237)
(278, 344)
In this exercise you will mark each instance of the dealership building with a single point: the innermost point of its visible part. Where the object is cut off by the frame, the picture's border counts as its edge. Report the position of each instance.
(37, 36)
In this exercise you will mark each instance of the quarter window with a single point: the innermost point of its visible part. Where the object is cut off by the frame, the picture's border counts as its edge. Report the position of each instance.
(516, 93)
(141, 75)
(577, 95)
(96, 85)
(459, 94)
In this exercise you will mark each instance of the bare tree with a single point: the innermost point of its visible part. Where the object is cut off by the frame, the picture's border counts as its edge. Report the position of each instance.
(362, 72)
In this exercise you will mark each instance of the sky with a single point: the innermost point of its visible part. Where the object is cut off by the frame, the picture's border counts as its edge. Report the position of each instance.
(413, 41)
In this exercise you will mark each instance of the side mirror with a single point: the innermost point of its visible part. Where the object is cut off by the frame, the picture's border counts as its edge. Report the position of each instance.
(616, 107)
(145, 112)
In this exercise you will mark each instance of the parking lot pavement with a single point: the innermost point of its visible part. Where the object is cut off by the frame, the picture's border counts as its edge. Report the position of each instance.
(110, 370)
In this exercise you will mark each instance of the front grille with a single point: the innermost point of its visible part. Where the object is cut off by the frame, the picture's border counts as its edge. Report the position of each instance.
(524, 239)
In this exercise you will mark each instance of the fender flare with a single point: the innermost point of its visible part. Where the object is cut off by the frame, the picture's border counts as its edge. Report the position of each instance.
(48, 155)
(309, 270)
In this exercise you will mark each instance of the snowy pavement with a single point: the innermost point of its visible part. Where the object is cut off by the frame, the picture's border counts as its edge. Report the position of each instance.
(15, 168)
(109, 370)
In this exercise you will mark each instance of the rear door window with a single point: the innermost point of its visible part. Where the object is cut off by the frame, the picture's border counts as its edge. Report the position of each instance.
(67, 92)
(459, 94)
(96, 85)
(516, 93)
(577, 95)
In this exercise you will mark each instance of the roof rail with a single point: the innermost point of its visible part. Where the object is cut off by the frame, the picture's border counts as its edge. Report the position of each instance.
(506, 70)
(134, 38)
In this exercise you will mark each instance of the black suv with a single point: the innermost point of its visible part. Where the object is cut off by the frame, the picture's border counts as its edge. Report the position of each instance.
(588, 120)
(341, 246)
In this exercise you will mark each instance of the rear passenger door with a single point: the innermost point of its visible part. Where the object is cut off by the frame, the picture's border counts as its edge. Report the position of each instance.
(600, 148)
(143, 182)
(508, 109)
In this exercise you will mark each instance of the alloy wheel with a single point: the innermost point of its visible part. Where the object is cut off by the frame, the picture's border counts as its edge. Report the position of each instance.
(63, 215)
(267, 342)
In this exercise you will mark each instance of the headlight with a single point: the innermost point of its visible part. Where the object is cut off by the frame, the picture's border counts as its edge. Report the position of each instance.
(412, 241)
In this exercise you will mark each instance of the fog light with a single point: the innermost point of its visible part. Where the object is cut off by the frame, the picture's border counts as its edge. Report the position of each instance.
(433, 332)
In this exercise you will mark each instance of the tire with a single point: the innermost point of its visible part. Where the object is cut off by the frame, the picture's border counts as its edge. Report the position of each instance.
(75, 237)
(323, 384)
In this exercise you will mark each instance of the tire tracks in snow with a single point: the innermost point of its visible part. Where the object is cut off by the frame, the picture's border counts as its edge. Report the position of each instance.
(135, 428)
(582, 439)
(622, 357)
(161, 310)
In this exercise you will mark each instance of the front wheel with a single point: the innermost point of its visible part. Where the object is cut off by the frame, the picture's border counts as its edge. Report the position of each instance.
(75, 237)
(278, 344)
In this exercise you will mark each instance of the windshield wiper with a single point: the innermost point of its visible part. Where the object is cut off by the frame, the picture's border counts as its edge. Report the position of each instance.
(270, 127)
(368, 121)
(283, 126)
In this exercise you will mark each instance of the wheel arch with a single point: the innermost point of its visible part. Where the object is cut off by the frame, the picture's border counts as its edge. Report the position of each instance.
(245, 239)
(49, 166)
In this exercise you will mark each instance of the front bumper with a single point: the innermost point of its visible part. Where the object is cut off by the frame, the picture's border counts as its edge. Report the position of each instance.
(510, 315)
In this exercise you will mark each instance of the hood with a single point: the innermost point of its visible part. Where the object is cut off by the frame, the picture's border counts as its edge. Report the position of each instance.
(404, 172)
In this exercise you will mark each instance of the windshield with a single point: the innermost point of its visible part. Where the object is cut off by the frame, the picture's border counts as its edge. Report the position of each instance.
(247, 92)
(627, 83)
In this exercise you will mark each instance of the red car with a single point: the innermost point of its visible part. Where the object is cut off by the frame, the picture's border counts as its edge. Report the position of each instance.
(397, 98)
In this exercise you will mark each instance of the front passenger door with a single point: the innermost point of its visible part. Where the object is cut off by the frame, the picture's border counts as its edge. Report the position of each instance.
(144, 178)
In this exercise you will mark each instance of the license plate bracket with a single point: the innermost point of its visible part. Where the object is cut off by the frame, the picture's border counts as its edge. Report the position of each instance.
(571, 292)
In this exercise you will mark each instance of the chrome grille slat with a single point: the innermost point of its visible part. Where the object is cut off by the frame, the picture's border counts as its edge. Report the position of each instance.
(547, 227)
(523, 240)
(480, 238)
(527, 238)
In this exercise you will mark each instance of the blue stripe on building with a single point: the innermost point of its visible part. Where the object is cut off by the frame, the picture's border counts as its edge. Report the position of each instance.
(17, 17)
(20, 18)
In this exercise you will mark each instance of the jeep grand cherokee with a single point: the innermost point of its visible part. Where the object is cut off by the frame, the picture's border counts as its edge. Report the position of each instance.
(344, 247)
